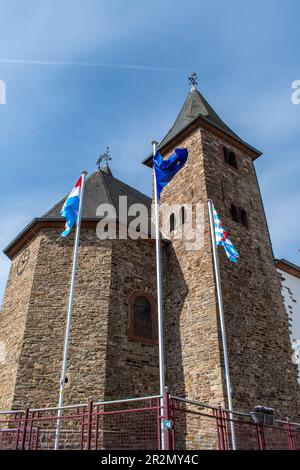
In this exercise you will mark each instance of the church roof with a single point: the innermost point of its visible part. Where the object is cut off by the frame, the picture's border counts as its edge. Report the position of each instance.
(101, 188)
(194, 107)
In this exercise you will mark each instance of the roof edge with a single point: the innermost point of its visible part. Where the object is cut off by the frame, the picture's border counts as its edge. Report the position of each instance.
(288, 267)
(39, 223)
(257, 153)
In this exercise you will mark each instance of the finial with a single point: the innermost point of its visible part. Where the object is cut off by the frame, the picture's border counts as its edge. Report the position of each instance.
(193, 80)
(102, 162)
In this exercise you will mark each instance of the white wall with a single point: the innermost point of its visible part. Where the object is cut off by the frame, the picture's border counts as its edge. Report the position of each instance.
(291, 295)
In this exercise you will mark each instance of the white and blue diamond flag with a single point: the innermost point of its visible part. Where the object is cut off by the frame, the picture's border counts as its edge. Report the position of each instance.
(223, 239)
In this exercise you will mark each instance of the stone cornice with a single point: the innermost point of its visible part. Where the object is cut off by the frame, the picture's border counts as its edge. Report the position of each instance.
(39, 223)
(200, 121)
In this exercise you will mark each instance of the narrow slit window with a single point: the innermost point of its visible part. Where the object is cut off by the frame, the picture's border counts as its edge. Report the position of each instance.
(235, 213)
(142, 318)
(183, 215)
(172, 222)
(230, 157)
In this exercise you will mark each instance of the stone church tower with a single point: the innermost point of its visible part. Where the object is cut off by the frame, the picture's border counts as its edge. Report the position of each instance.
(113, 346)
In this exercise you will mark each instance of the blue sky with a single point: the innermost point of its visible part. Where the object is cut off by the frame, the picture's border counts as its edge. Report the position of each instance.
(84, 74)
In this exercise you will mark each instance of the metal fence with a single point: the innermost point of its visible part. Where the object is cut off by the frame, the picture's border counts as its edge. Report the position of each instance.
(113, 425)
(197, 426)
(136, 424)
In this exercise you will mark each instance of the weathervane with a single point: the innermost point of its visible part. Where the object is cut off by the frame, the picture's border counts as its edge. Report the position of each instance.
(103, 160)
(193, 80)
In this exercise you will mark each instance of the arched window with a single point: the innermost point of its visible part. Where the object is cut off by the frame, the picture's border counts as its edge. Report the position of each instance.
(239, 215)
(172, 222)
(182, 214)
(230, 157)
(235, 213)
(141, 318)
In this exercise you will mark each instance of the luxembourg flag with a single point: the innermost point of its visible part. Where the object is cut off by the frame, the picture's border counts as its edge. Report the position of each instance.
(71, 207)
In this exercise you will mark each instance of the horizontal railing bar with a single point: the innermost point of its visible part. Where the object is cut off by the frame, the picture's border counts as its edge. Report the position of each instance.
(125, 400)
(81, 405)
(194, 412)
(11, 412)
(192, 402)
(212, 407)
(287, 422)
(56, 408)
(239, 413)
(129, 410)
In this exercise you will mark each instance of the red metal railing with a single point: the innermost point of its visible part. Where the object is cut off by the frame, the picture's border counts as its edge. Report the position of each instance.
(122, 424)
(136, 424)
(200, 426)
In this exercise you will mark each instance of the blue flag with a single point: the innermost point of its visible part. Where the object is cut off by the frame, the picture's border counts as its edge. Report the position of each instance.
(165, 170)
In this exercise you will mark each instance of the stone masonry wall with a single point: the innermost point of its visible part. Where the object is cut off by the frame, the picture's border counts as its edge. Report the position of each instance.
(132, 364)
(191, 322)
(104, 361)
(39, 365)
(259, 348)
(13, 318)
(192, 343)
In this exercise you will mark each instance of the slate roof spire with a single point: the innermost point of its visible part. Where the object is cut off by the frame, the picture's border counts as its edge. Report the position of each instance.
(194, 107)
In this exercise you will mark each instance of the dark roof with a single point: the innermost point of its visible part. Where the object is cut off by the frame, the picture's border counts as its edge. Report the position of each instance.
(196, 106)
(288, 267)
(102, 188)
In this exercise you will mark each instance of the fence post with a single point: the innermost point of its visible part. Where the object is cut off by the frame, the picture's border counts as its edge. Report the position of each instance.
(37, 433)
(158, 424)
(82, 425)
(224, 420)
(97, 426)
(172, 417)
(18, 416)
(89, 425)
(30, 429)
(291, 439)
(260, 436)
(26, 413)
(220, 428)
(167, 417)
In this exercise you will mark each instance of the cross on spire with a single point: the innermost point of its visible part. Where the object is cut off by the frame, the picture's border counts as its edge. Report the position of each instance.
(103, 160)
(193, 80)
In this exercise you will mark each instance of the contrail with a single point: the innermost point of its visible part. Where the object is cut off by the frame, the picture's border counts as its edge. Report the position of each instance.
(87, 64)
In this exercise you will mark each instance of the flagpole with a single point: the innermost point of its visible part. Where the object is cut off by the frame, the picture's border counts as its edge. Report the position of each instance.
(159, 310)
(222, 322)
(69, 318)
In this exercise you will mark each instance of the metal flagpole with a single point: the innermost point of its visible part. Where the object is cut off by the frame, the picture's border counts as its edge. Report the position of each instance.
(221, 315)
(159, 309)
(69, 318)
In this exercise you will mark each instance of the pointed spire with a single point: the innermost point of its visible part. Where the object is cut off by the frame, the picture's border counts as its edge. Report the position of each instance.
(195, 106)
